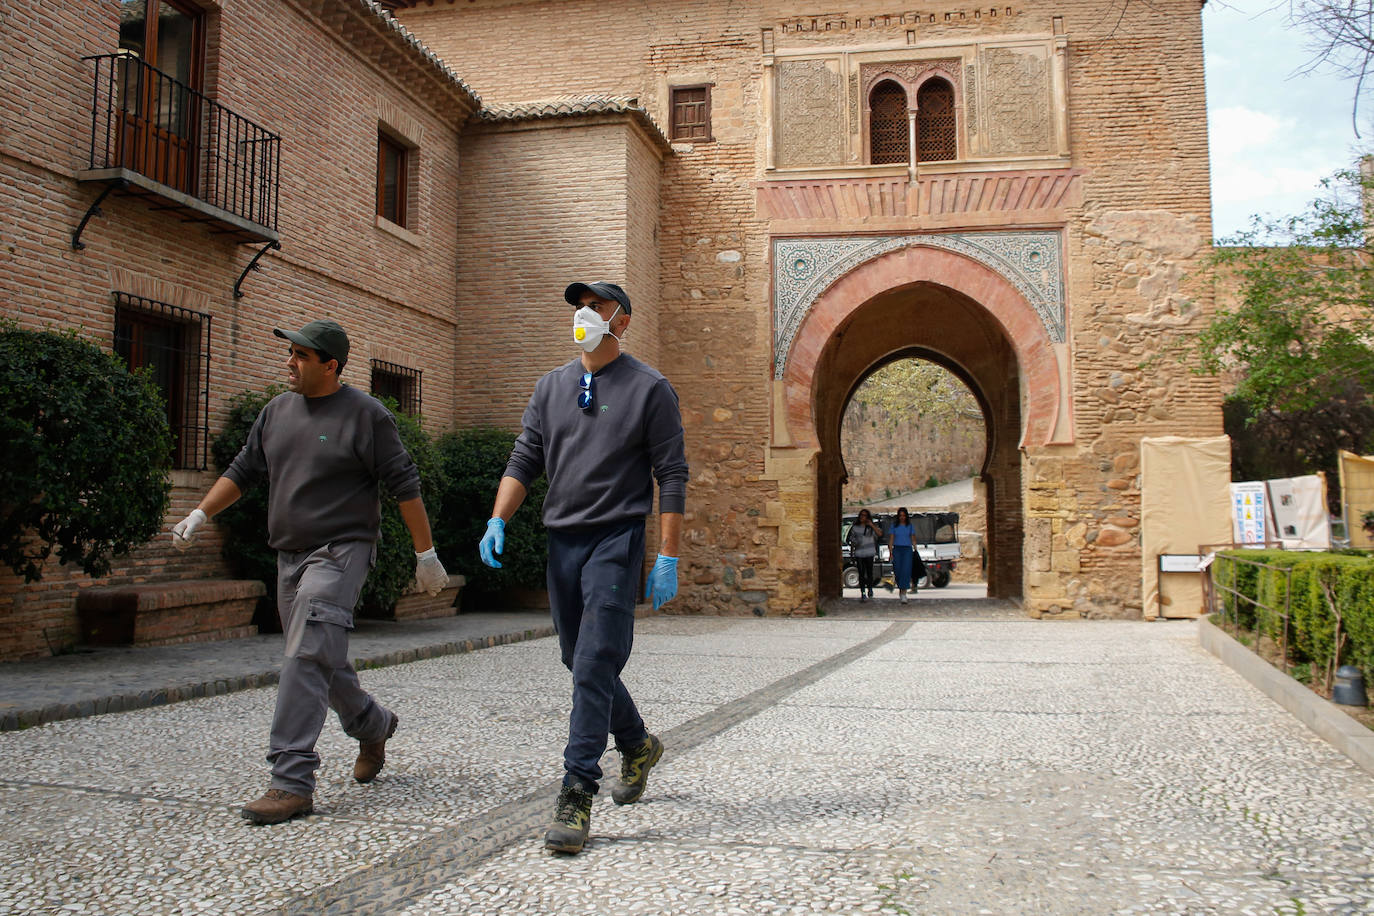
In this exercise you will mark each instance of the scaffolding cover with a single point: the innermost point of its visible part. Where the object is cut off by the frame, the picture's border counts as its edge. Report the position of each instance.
(1357, 495)
(1185, 502)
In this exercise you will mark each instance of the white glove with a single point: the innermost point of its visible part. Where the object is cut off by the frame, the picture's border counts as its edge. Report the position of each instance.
(429, 572)
(184, 531)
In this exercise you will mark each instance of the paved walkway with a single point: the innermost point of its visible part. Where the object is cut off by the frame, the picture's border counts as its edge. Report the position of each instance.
(878, 759)
(98, 681)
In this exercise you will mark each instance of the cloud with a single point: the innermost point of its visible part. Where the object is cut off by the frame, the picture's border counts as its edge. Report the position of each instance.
(1235, 129)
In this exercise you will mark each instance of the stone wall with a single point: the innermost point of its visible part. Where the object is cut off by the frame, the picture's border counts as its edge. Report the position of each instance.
(1130, 197)
(884, 457)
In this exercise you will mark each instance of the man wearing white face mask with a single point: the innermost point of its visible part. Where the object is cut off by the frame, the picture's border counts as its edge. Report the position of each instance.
(602, 427)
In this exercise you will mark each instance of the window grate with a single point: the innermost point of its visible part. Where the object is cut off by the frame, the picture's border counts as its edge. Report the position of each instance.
(400, 383)
(888, 135)
(936, 135)
(691, 113)
(173, 345)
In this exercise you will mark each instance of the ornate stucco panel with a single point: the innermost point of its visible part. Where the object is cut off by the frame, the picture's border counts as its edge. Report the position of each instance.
(810, 115)
(1017, 106)
(803, 268)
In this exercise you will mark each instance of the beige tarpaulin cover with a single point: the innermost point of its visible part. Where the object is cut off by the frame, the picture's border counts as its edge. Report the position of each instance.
(1357, 495)
(1185, 501)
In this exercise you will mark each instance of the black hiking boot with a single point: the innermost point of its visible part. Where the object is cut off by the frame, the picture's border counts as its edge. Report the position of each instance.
(635, 764)
(572, 820)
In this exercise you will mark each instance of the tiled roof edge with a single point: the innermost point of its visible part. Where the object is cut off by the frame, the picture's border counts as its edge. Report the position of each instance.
(433, 59)
(572, 107)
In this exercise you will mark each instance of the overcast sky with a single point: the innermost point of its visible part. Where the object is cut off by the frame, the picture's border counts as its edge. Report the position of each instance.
(1273, 134)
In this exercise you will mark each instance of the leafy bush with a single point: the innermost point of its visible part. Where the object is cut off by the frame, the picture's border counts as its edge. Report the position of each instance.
(245, 523)
(474, 461)
(395, 569)
(87, 453)
(1315, 588)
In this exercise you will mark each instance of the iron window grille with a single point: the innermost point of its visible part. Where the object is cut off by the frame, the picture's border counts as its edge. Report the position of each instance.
(691, 115)
(400, 383)
(888, 134)
(936, 137)
(173, 345)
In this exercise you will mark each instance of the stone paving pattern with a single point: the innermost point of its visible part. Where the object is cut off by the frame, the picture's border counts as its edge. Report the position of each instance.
(928, 758)
(117, 679)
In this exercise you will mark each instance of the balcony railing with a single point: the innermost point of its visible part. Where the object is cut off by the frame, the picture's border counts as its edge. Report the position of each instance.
(147, 123)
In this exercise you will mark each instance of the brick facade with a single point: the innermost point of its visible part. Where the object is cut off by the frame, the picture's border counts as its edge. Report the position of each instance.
(325, 75)
(1081, 131)
(1088, 126)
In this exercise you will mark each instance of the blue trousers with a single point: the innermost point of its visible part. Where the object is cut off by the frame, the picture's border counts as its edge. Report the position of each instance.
(593, 577)
(901, 566)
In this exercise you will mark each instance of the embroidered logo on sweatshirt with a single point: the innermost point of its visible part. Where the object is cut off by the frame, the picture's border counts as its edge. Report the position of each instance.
(323, 437)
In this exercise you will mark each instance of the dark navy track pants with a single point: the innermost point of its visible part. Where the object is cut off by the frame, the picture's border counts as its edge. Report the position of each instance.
(593, 577)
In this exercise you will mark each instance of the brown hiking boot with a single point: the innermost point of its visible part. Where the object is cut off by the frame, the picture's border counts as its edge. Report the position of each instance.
(277, 805)
(372, 757)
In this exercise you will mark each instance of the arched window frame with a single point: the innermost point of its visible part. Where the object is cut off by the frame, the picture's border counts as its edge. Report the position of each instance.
(868, 112)
(937, 73)
(911, 88)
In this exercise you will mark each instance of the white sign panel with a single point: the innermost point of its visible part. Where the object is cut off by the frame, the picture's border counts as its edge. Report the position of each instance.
(1249, 509)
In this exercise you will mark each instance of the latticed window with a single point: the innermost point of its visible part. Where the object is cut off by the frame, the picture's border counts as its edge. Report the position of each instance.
(888, 141)
(400, 383)
(173, 345)
(936, 137)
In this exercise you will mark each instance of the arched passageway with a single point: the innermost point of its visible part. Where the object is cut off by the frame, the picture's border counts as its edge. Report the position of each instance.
(940, 306)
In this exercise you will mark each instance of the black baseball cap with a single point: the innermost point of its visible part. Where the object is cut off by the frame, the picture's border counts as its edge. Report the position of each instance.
(600, 289)
(323, 336)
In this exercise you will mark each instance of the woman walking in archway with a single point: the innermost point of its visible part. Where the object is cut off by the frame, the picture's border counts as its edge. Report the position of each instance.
(903, 553)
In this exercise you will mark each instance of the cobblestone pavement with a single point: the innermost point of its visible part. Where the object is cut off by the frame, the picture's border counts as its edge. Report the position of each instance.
(119, 679)
(847, 764)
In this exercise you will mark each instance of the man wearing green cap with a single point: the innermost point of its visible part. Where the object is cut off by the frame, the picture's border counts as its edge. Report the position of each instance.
(323, 447)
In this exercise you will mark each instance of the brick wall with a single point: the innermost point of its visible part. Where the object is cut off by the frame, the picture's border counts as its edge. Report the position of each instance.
(1137, 136)
(285, 66)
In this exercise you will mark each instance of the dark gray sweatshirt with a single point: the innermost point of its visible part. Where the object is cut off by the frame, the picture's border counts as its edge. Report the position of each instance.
(323, 458)
(602, 461)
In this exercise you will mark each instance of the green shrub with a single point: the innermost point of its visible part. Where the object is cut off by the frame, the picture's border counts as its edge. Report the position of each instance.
(87, 453)
(395, 569)
(1313, 587)
(474, 461)
(245, 522)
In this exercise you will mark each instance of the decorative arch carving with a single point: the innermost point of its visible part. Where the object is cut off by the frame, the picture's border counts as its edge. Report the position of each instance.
(1038, 356)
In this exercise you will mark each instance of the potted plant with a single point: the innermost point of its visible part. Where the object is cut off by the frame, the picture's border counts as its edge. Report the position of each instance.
(1367, 523)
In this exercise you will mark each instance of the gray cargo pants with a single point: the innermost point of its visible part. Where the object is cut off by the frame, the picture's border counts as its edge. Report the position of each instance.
(316, 592)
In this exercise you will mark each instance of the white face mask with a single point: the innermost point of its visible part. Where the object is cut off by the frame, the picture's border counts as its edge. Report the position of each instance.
(589, 327)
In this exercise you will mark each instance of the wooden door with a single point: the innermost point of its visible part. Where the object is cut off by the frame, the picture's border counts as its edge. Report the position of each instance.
(159, 89)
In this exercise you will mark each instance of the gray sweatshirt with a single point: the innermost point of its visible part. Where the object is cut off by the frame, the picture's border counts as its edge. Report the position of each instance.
(323, 458)
(602, 461)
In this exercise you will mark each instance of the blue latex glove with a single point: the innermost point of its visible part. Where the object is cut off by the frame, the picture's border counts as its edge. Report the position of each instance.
(493, 542)
(662, 581)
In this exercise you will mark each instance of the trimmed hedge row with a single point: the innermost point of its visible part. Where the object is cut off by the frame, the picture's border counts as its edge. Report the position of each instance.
(1317, 588)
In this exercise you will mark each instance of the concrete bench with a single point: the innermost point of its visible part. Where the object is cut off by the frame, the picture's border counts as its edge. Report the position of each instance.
(164, 613)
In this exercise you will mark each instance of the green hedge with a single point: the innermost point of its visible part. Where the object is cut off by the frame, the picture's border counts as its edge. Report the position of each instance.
(87, 453)
(474, 461)
(1347, 578)
(245, 523)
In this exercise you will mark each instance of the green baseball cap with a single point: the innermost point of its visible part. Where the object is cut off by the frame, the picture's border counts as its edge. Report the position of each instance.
(322, 336)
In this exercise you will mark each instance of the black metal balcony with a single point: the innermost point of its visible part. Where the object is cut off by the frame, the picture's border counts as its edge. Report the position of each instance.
(153, 135)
